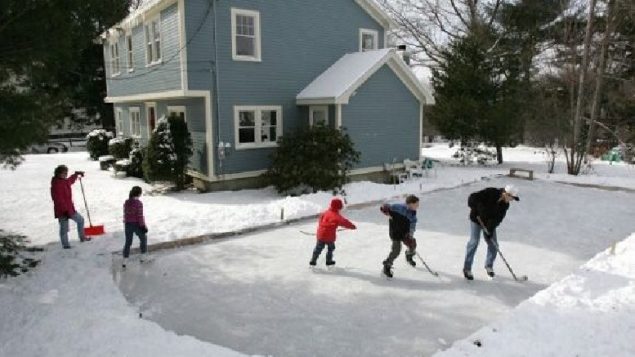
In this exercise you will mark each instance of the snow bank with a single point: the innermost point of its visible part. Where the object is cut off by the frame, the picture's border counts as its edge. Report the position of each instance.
(588, 313)
(70, 306)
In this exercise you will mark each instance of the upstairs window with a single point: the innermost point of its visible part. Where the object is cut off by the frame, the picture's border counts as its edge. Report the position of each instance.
(257, 127)
(129, 52)
(245, 35)
(114, 59)
(368, 40)
(153, 42)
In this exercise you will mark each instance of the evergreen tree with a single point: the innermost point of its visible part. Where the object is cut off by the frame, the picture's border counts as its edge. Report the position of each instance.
(477, 92)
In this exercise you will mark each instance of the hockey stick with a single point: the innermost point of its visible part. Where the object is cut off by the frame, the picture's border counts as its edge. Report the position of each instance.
(522, 277)
(426, 265)
(312, 234)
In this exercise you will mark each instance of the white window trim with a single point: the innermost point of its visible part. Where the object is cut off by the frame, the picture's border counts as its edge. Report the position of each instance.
(258, 124)
(257, 33)
(177, 109)
(156, 116)
(129, 53)
(115, 60)
(148, 25)
(138, 111)
(312, 108)
(375, 35)
(119, 121)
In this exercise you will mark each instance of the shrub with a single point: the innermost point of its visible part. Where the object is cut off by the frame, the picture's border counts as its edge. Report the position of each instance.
(136, 162)
(13, 257)
(97, 143)
(318, 158)
(169, 151)
(120, 147)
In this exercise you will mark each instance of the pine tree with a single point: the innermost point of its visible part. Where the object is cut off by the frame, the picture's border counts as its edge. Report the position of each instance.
(477, 93)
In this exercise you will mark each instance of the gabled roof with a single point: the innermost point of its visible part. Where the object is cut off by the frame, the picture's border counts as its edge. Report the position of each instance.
(377, 13)
(344, 77)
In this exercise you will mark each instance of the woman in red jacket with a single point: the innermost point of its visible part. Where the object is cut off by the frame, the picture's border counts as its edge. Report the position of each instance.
(62, 195)
(330, 220)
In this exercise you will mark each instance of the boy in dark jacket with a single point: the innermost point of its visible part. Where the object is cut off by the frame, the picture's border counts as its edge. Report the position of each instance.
(330, 220)
(402, 225)
(64, 209)
(488, 208)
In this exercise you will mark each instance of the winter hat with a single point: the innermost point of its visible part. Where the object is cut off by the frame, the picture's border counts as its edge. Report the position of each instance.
(513, 191)
(336, 204)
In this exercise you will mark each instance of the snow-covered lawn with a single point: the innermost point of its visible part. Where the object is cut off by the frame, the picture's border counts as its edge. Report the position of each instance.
(256, 294)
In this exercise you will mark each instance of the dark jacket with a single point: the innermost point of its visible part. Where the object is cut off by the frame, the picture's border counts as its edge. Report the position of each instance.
(403, 221)
(488, 205)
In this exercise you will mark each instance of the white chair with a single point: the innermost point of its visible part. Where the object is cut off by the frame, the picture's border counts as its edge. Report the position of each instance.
(413, 169)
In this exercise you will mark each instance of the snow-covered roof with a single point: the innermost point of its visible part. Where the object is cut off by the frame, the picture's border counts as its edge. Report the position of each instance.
(338, 82)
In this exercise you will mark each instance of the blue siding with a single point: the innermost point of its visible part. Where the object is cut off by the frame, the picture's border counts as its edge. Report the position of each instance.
(383, 120)
(300, 39)
(195, 117)
(158, 78)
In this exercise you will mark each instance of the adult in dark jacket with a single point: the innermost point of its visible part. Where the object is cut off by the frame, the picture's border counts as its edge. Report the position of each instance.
(64, 209)
(488, 208)
(402, 226)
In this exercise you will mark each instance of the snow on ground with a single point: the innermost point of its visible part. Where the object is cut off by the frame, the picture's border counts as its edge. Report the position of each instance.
(588, 313)
(174, 215)
(256, 294)
(601, 173)
(70, 305)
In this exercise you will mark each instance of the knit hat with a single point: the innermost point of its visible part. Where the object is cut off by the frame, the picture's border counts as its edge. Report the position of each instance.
(513, 191)
(336, 204)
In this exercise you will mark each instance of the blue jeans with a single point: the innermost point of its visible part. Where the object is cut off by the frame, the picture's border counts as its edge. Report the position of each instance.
(318, 250)
(130, 230)
(79, 220)
(475, 236)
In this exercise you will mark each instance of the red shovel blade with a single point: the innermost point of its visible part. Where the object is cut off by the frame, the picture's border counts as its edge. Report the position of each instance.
(94, 231)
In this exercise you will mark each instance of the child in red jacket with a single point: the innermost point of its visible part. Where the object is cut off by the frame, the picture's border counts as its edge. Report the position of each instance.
(62, 196)
(330, 220)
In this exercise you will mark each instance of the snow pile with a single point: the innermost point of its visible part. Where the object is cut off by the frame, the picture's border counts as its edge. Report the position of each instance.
(588, 313)
(101, 133)
(69, 306)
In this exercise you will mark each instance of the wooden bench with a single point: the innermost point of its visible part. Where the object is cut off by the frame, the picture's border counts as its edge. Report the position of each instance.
(513, 171)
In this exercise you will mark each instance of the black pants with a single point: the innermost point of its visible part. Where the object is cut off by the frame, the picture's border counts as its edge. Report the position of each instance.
(395, 249)
(319, 246)
(131, 229)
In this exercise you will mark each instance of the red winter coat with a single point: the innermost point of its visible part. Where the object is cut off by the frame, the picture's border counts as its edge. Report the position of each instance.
(330, 220)
(62, 196)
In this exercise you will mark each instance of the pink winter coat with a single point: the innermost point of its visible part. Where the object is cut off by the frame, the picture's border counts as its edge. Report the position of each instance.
(62, 196)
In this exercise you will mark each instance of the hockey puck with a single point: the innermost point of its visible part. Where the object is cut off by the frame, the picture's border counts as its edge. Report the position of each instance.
(478, 343)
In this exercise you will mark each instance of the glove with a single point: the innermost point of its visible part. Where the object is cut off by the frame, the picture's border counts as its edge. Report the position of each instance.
(385, 210)
(79, 173)
(144, 229)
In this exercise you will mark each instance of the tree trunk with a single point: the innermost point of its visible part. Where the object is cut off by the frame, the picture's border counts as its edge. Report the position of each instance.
(499, 154)
(599, 80)
(577, 149)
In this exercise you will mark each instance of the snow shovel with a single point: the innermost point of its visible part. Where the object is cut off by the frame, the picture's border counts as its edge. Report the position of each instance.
(91, 230)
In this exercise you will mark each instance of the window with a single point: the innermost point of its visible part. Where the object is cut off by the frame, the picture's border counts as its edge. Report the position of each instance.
(119, 121)
(257, 127)
(153, 42)
(151, 117)
(129, 51)
(178, 110)
(245, 35)
(135, 122)
(368, 40)
(319, 115)
(114, 59)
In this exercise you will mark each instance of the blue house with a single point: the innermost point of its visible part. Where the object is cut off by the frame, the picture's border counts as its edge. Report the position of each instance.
(242, 73)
